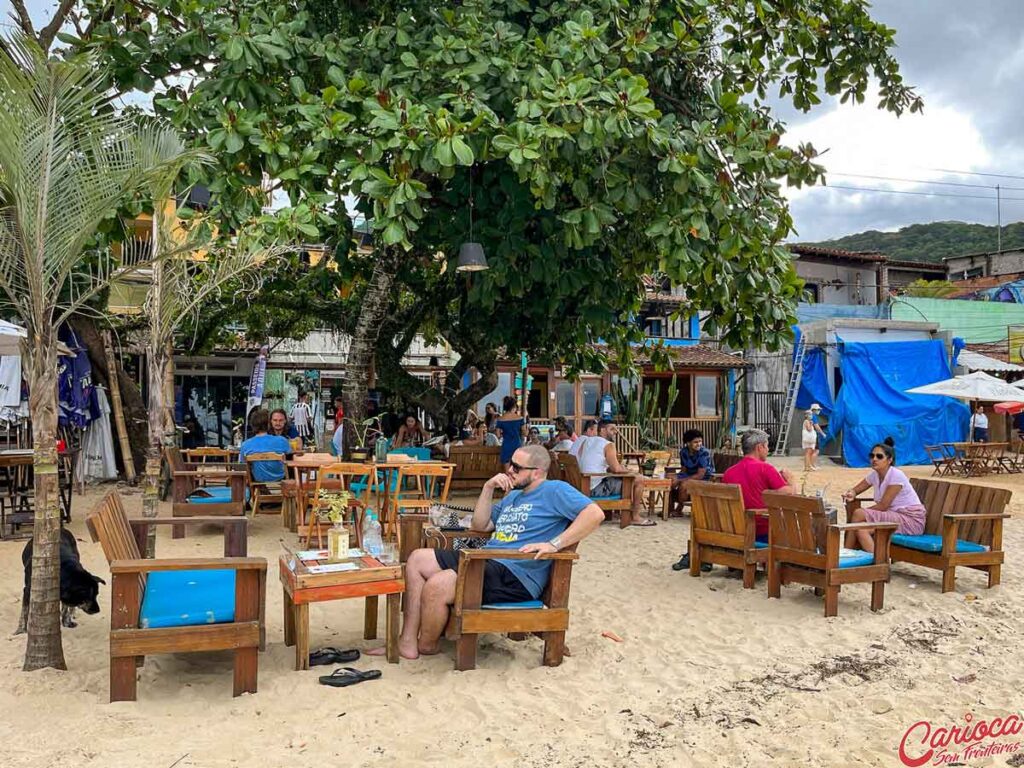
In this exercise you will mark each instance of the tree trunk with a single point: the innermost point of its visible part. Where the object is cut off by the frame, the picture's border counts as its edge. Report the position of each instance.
(376, 302)
(44, 643)
(135, 415)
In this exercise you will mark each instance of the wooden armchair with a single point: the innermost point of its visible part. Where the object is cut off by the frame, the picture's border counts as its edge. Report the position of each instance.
(474, 465)
(963, 527)
(803, 547)
(152, 599)
(548, 617)
(623, 504)
(722, 532)
(195, 496)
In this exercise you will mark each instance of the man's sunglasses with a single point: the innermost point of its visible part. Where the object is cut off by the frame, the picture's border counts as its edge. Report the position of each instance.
(878, 456)
(516, 467)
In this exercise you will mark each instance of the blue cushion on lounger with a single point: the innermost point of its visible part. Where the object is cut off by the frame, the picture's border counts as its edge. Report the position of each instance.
(526, 604)
(854, 558)
(218, 494)
(188, 598)
(930, 542)
(421, 454)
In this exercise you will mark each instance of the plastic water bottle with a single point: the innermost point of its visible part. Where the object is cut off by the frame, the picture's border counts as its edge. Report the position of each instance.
(373, 542)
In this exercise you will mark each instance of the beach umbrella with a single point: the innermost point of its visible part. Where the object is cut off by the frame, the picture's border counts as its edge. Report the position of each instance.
(1010, 409)
(978, 386)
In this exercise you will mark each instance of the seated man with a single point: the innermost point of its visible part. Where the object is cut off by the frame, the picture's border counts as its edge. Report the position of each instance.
(261, 442)
(754, 475)
(536, 515)
(695, 462)
(589, 431)
(598, 455)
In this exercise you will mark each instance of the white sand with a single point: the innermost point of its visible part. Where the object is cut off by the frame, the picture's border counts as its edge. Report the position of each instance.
(707, 674)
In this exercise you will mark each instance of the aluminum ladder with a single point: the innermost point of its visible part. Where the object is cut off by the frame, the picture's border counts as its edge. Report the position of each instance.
(795, 377)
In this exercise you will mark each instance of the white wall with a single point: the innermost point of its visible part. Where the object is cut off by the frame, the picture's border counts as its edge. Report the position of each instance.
(847, 291)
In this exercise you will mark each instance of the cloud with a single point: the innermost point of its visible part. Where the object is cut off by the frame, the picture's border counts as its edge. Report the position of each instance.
(966, 63)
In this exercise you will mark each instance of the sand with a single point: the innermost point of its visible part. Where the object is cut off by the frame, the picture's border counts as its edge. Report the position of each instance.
(706, 674)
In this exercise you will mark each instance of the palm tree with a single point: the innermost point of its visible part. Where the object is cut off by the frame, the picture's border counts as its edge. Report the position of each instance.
(67, 161)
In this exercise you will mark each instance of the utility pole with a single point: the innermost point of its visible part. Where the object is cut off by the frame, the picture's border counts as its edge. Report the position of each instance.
(999, 221)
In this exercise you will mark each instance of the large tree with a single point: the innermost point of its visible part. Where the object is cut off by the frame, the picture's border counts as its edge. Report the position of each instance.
(591, 141)
(67, 162)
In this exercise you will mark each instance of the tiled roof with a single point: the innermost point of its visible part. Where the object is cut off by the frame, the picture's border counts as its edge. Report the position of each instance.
(975, 284)
(701, 356)
(929, 266)
(836, 253)
(994, 349)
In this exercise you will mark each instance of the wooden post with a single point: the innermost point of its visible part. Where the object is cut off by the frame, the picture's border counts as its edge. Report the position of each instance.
(118, 409)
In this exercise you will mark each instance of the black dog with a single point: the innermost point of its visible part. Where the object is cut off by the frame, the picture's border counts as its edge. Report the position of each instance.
(78, 587)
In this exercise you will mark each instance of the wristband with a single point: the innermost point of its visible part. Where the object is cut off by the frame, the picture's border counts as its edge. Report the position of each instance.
(556, 543)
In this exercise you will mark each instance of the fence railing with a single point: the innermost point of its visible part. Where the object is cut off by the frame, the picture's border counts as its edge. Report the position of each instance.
(668, 431)
(766, 411)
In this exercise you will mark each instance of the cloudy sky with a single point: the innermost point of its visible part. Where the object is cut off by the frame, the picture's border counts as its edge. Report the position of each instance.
(966, 59)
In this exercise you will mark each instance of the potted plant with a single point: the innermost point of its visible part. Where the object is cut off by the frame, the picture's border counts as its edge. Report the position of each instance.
(648, 467)
(334, 505)
(364, 432)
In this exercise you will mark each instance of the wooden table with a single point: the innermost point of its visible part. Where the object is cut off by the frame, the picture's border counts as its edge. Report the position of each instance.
(369, 580)
(637, 456)
(658, 489)
(976, 459)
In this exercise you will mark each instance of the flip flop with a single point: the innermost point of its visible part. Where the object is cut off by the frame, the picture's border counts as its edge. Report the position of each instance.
(323, 656)
(346, 676)
(646, 523)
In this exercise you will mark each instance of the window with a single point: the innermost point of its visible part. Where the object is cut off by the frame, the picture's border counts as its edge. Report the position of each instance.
(590, 391)
(654, 327)
(565, 398)
(813, 292)
(705, 395)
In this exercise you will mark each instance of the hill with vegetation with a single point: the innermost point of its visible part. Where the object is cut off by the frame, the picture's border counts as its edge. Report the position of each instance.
(931, 242)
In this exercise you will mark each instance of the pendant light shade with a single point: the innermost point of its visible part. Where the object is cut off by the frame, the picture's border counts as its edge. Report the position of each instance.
(471, 258)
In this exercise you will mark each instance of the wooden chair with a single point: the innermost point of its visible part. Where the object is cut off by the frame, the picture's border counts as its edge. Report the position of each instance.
(333, 478)
(943, 462)
(192, 499)
(264, 491)
(722, 532)
(141, 626)
(469, 618)
(724, 461)
(804, 548)
(555, 469)
(418, 488)
(623, 504)
(963, 527)
(474, 465)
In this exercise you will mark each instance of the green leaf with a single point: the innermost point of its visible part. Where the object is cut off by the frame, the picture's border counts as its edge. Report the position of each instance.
(409, 60)
(463, 152)
(444, 154)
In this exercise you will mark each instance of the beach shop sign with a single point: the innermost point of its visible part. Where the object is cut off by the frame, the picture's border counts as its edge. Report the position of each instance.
(924, 743)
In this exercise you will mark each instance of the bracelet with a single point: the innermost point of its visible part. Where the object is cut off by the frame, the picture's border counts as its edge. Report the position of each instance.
(555, 543)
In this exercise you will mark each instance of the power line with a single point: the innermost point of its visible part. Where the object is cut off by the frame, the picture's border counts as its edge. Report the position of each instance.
(922, 181)
(976, 173)
(919, 194)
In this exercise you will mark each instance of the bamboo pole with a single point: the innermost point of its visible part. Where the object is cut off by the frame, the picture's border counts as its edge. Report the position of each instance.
(118, 409)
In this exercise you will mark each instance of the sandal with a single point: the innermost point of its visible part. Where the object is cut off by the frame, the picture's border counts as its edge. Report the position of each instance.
(346, 676)
(323, 656)
(648, 523)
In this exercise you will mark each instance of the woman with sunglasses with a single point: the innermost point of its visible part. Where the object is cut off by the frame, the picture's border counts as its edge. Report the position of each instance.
(895, 499)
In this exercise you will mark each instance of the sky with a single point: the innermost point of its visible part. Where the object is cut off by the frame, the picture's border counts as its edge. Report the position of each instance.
(966, 60)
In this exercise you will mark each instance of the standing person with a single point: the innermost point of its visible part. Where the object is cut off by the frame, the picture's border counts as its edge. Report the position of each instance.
(896, 501)
(302, 418)
(979, 425)
(410, 434)
(511, 425)
(490, 416)
(809, 440)
(598, 456)
(338, 438)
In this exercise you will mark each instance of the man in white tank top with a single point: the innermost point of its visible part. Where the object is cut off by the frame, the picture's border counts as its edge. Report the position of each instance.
(597, 455)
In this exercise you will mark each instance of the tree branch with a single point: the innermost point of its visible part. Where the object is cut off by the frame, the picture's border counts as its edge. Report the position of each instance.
(50, 30)
(23, 19)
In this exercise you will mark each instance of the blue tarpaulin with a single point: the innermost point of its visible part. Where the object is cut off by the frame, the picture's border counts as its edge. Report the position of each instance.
(814, 386)
(872, 403)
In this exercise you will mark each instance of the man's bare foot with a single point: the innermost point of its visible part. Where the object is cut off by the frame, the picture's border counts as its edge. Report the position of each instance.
(403, 651)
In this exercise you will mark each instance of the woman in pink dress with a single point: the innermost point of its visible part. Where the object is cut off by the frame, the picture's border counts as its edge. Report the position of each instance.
(895, 499)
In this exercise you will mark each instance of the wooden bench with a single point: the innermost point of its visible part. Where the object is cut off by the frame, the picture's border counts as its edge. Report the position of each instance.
(957, 512)
(130, 641)
(474, 466)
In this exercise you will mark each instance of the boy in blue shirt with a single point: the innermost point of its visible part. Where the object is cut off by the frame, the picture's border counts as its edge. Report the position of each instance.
(536, 515)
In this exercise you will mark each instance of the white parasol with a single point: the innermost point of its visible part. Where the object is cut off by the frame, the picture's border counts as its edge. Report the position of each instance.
(974, 386)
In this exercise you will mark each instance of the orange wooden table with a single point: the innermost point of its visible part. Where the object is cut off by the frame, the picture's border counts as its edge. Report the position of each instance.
(369, 579)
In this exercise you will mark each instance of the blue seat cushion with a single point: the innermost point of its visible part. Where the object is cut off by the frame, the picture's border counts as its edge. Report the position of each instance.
(213, 494)
(760, 545)
(188, 598)
(421, 454)
(931, 542)
(607, 498)
(855, 558)
(525, 605)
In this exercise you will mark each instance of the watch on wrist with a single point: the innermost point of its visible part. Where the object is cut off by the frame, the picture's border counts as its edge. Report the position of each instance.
(556, 542)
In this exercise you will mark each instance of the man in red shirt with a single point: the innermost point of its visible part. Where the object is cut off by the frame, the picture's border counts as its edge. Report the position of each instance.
(754, 475)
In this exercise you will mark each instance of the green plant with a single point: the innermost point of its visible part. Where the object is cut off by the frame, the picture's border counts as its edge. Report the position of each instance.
(363, 428)
(334, 504)
(642, 410)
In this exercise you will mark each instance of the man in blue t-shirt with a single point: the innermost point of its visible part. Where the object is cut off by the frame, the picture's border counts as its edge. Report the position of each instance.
(261, 442)
(536, 515)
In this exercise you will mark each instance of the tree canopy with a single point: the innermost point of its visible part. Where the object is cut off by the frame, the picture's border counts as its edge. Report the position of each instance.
(591, 141)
